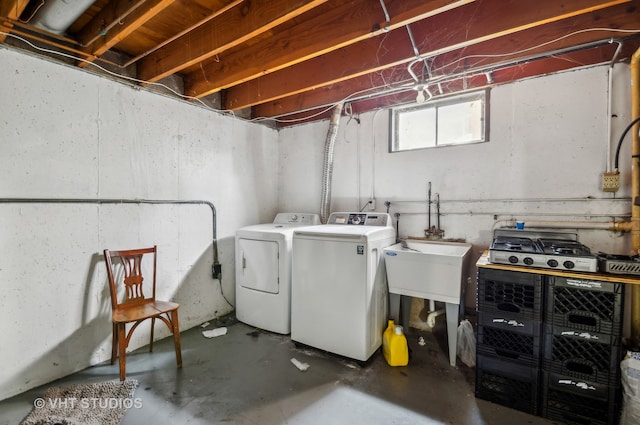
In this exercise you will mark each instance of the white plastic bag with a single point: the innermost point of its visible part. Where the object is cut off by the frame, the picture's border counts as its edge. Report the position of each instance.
(466, 348)
(630, 368)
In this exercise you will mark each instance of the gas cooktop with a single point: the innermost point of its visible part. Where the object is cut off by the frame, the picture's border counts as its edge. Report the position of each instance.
(550, 250)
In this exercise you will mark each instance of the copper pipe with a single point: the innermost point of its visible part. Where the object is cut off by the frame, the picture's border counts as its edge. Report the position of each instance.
(635, 191)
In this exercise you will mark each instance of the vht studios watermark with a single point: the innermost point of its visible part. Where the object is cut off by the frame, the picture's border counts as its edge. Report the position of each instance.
(88, 403)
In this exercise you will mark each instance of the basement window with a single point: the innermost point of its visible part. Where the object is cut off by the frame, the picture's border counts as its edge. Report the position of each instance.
(456, 120)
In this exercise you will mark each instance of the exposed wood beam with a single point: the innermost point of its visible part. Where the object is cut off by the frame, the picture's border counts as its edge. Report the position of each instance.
(377, 82)
(372, 56)
(541, 66)
(507, 74)
(340, 24)
(116, 12)
(10, 9)
(221, 33)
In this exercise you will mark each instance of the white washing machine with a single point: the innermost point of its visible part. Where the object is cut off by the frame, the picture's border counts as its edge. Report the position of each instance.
(263, 271)
(339, 295)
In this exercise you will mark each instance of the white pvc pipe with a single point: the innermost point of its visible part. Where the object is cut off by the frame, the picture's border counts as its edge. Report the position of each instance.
(553, 224)
(431, 318)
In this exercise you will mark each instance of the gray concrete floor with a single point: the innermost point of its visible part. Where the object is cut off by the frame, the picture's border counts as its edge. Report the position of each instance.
(247, 377)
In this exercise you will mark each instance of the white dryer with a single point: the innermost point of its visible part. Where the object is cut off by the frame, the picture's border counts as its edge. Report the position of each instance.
(339, 295)
(263, 271)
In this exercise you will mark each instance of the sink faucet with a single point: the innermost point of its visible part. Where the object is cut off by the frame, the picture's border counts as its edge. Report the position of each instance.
(434, 233)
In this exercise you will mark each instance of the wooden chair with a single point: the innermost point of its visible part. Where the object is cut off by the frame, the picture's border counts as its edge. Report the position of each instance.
(124, 268)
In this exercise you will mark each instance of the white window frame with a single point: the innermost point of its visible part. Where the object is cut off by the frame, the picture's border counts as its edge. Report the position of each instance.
(431, 111)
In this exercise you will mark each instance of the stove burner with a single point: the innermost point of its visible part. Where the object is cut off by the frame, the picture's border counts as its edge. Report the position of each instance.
(543, 250)
(562, 247)
(515, 244)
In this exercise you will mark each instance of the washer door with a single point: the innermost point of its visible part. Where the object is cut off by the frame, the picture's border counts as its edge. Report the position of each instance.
(259, 262)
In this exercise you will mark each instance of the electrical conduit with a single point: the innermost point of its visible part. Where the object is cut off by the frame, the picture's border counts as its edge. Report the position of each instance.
(216, 263)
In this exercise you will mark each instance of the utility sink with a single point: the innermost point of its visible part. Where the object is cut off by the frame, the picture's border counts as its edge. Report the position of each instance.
(427, 269)
(430, 270)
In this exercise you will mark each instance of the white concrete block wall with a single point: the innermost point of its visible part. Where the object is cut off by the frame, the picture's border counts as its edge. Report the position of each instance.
(69, 134)
(66, 133)
(548, 140)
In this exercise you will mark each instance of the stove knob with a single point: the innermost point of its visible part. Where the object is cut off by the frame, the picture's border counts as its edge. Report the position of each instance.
(513, 259)
(552, 263)
(528, 261)
(568, 264)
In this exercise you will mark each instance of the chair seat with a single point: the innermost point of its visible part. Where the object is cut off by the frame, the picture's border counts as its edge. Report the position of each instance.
(132, 313)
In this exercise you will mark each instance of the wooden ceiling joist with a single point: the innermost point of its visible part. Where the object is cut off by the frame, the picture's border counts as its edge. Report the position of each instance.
(10, 9)
(385, 52)
(325, 32)
(285, 58)
(123, 19)
(219, 34)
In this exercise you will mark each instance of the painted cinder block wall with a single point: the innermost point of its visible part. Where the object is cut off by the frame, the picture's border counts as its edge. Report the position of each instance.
(65, 133)
(547, 151)
(68, 134)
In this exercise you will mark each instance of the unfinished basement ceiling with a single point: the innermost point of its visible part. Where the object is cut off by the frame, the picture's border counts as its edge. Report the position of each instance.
(283, 62)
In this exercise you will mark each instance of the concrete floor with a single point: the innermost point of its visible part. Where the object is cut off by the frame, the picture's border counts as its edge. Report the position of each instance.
(247, 377)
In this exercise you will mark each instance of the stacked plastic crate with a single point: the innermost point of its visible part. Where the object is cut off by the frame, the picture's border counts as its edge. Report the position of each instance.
(582, 351)
(509, 343)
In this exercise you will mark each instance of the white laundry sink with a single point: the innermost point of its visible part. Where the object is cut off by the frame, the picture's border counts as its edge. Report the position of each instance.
(427, 269)
(430, 270)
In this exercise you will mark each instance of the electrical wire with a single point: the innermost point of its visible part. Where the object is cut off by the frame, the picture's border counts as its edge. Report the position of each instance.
(118, 76)
(404, 85)
(624, 133)
(381, 90)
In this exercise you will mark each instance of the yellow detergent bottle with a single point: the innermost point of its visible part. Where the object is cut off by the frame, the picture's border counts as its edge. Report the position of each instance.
(394, 345)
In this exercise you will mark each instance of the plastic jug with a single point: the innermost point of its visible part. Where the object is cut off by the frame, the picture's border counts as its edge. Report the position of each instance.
(394, 345)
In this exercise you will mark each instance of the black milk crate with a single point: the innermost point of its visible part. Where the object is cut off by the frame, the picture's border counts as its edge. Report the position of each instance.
(582, 355)
(583, 304)
(502, 338)
(508, 384)
(519, 294)
(574, 401)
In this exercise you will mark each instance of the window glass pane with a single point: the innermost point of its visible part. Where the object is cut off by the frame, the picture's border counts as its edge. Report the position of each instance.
(448, 121)
(416, 128)
(460, 123)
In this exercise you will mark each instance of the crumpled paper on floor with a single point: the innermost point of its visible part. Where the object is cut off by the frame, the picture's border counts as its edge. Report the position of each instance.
(215, 332)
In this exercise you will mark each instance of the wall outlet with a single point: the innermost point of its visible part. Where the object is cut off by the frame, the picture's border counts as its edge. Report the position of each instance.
(372, 204)
(611, 181)
(216, 271)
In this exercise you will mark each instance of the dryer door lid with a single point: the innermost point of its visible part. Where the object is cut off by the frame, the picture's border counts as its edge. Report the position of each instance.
(259, 268)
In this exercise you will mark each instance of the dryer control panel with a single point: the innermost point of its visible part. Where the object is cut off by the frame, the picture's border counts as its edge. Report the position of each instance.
(360, 219)
(297, 218)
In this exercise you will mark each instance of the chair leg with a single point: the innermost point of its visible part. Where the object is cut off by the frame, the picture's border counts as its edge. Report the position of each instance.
(122, 346)
(114, 342)
(176, 337)
(153, 326)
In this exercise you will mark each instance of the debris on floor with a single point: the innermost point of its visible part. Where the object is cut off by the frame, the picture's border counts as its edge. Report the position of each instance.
(215, 332)
(205, 324)
(300, 365)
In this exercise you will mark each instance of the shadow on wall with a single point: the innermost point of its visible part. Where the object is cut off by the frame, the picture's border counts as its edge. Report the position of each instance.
(90, 339)
(200, 296)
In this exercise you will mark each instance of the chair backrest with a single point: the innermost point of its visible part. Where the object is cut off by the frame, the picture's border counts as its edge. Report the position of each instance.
(125, 268)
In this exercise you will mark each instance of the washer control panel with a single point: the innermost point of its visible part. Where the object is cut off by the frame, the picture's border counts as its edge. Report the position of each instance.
(360, 219)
